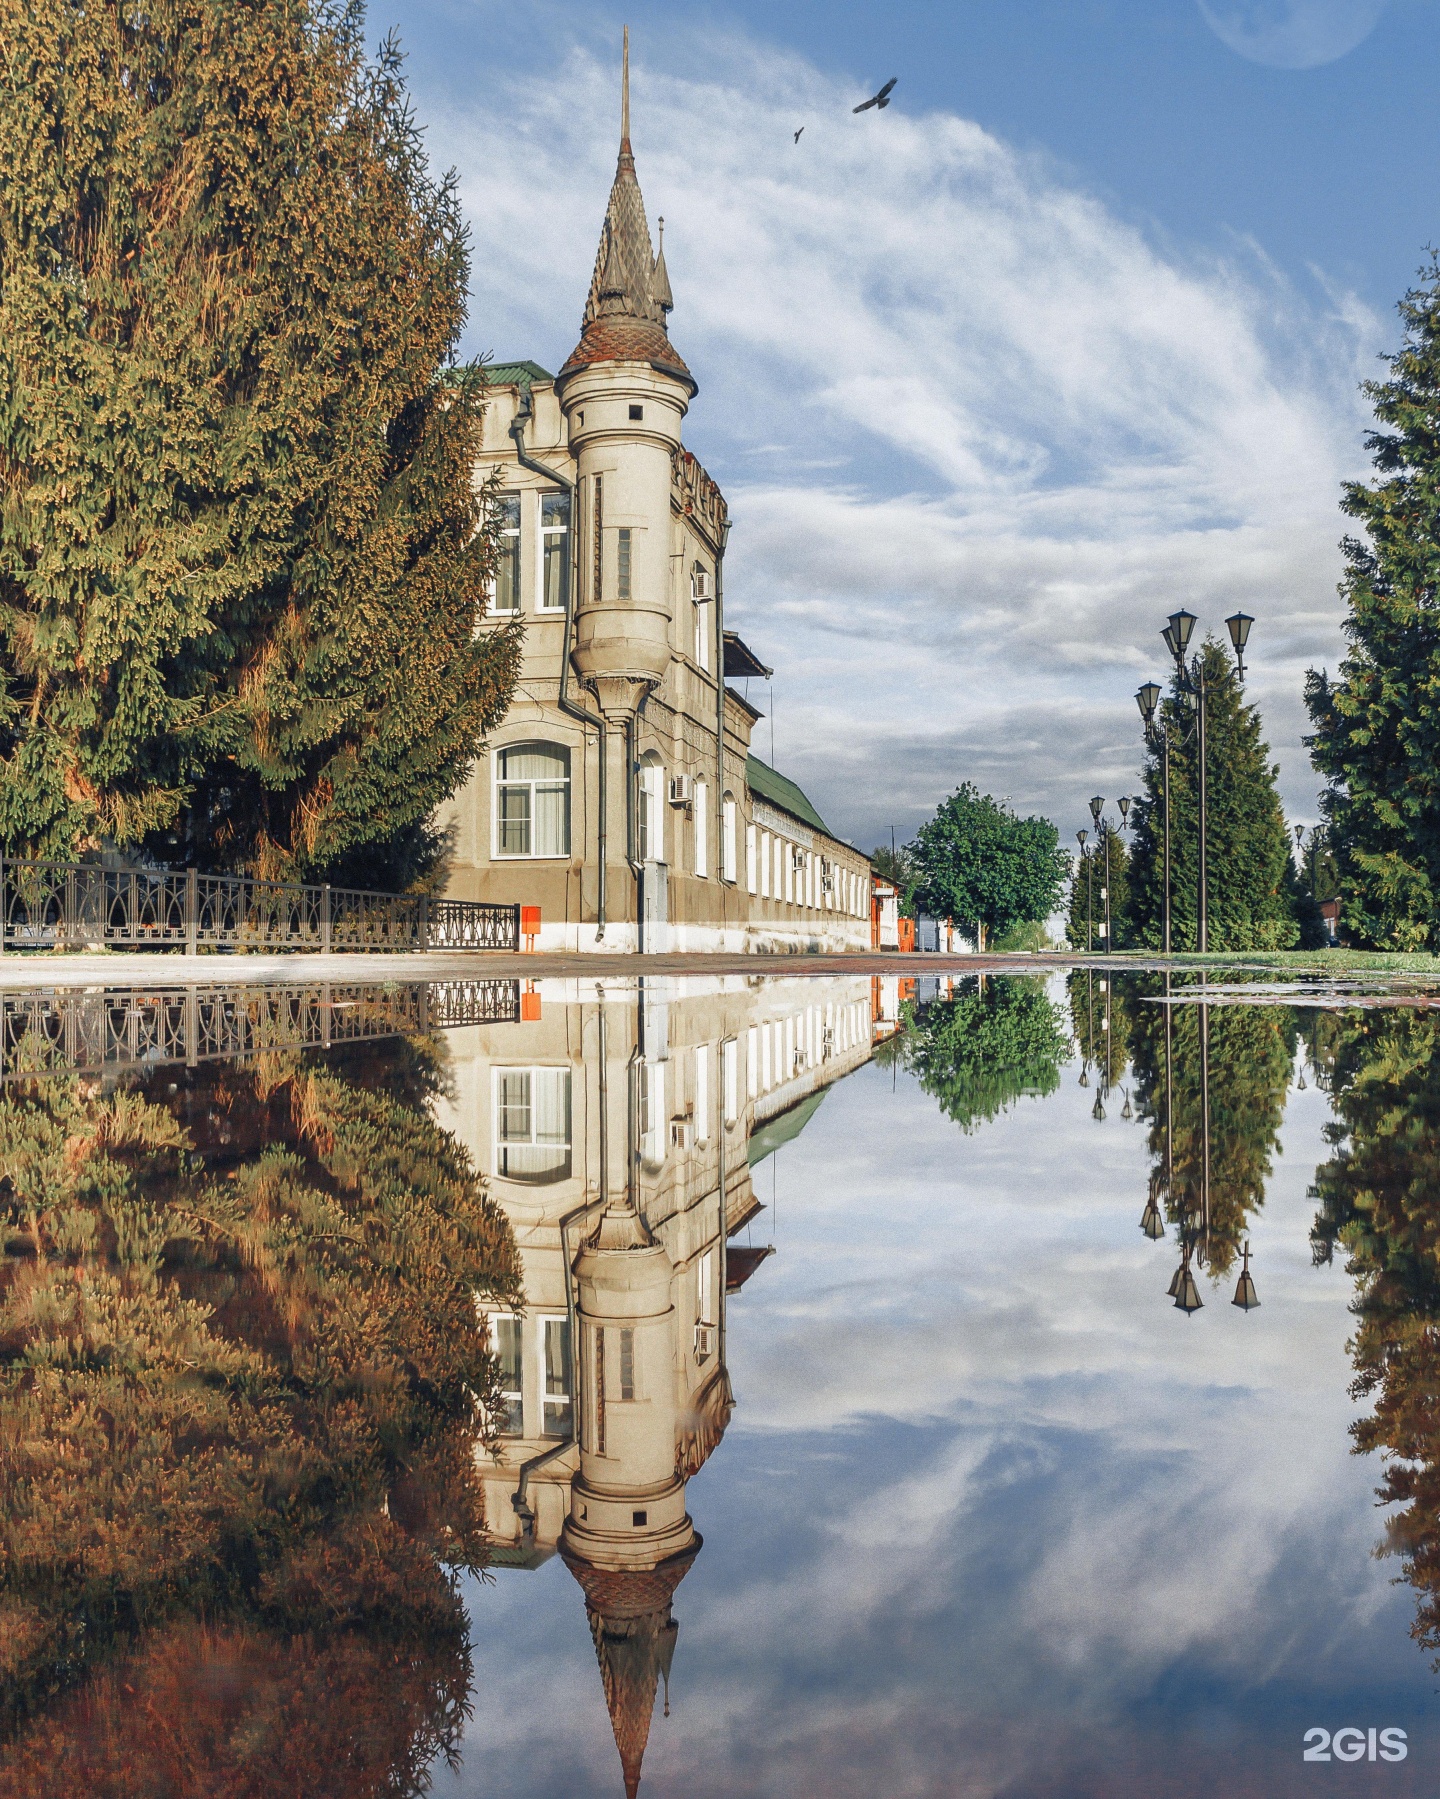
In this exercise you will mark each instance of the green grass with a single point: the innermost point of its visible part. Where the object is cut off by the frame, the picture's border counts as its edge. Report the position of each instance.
(1319, 961)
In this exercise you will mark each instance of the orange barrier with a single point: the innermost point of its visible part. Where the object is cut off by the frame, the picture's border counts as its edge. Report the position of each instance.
(530, 925)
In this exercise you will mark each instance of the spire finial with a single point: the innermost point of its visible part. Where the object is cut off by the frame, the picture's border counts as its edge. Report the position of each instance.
(625, 90)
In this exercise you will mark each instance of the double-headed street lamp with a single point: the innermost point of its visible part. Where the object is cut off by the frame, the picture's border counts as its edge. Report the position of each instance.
(1082, 837)
(1189, 684)
(1097, 812)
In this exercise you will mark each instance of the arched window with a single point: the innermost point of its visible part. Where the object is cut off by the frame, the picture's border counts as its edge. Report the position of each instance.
(532, 800)
(728, 846)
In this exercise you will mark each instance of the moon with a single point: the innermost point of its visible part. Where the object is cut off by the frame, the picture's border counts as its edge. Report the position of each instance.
(1292, 34)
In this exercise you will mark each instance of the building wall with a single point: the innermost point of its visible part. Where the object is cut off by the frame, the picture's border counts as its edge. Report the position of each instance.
(821, 898)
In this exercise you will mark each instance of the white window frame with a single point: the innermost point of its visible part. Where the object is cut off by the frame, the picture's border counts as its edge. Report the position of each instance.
(730, 1078)
(702, 829)
(500, 1146)
(514, 1397)
(702, 1092)
(544, 534)
(512, 543)
(729, 841)
(563, 1400)
(650, 812)
(751, 883)
(497, 853)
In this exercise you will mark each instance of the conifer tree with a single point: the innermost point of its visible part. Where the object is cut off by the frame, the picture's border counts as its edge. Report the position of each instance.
(1085, 910)
(240, 556)
(1377, 725)
(1248, 855)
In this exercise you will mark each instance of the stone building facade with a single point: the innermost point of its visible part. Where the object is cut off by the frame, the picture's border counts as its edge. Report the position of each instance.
(621, 796)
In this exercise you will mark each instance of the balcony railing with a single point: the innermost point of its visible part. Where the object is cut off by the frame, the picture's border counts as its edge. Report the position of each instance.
(84, 905)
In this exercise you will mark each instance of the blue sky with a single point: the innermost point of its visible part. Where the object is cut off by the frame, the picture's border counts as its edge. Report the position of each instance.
(1067, 336)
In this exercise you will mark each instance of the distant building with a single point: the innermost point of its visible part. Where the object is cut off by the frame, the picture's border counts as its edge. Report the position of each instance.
(619, 1132)
(621, 795)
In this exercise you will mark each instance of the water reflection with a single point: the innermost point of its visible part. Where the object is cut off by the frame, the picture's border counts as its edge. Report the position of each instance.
(241, 1358)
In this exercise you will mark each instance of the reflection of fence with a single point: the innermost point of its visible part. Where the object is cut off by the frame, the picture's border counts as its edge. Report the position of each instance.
(130, 1028)
(56, 905)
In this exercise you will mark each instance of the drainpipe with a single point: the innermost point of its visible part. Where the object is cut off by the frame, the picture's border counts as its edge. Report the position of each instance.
(720, 728)
(517, 437)
(518, 1500)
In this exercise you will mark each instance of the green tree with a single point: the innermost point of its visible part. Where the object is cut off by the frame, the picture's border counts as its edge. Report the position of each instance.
(1377, 725)
(978, 862)
(991, 1045)
(1377, 1199)
(1100, 1020)
(896, 866)
(1085, 910)
(240, 569)
(1248, 860)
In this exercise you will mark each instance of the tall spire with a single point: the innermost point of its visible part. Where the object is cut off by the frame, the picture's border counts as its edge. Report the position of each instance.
(629, 299)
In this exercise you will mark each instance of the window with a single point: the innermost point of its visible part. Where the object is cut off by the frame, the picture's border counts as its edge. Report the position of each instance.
(627, 1363)
(651, 813)
(701, 594)
(637, 412)
(750, 871)
(507, 568)
(652, 1112)
(532, 800)
(622, 584)
(727, 838)
(597, 526)
(752, 1061)
(702, 1093)
(532, 1124)
(766, 860)
(555, 548)
(702, 828)
(509, 1354)
(557, 1377)
(599, 1389)
(730, 1073)
(705, 1297)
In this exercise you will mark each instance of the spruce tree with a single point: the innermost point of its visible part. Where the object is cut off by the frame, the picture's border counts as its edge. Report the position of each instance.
(241, 554)
(1248, 854)
(1085, 908)
(1377, 725)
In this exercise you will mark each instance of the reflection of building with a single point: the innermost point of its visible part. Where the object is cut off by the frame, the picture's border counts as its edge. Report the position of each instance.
(620, 795)
(619, 1130)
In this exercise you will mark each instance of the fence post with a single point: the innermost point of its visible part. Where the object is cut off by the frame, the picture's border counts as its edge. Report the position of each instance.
(192, 912)
(425, 921)
(325, 946)
(4, 906)
(192, 1020)
(68, 927)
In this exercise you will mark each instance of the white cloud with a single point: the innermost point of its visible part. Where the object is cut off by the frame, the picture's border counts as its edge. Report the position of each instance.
(979, 435)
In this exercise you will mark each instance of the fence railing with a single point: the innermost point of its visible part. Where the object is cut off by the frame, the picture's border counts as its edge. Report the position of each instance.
(119, 1028)
(77, 905)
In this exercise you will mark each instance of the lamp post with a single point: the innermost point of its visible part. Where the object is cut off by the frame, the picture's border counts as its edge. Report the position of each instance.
(1190, 682)
(1082, 838)
(1158, 735)
(1097, 808)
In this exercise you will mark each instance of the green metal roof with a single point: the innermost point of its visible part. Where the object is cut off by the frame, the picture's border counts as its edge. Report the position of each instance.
(515, 374)
(785, 1127)
(782, 792)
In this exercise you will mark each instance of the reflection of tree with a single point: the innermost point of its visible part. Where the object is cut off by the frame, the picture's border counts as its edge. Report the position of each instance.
(1378, 1199)
(990, 1045)
(1100, 1009)
(1229, 1065)
(239, 1360)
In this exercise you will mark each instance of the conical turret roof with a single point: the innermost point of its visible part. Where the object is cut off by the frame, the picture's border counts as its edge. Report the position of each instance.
(634, 1636)
(630, 295)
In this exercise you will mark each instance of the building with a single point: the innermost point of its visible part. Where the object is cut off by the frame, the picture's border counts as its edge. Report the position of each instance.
(621, 795)
(619, 1130)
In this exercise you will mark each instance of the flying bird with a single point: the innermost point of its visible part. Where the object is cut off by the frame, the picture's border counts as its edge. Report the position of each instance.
(882, 99)
(797, 134)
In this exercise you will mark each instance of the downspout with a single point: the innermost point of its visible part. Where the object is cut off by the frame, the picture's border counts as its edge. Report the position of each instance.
(720, 723)
(567, 705)
(518, 1500)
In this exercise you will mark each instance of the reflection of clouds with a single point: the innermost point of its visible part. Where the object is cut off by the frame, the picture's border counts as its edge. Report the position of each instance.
(992, 1518)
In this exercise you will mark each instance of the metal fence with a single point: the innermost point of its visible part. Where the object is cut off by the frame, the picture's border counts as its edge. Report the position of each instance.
(84, 905)
(134, 1028)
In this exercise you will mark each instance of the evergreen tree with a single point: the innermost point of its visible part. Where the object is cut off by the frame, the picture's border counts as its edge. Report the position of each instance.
(240, 555)
(1248, 863)
(1085, 911)
(976, 862)
(1377, 725)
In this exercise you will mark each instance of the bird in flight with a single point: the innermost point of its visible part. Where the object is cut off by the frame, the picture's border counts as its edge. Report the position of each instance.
(797, 134)
(882, 99)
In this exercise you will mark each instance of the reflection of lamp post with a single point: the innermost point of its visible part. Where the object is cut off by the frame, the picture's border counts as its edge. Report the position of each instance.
(1245, 1295)
(1190, 680)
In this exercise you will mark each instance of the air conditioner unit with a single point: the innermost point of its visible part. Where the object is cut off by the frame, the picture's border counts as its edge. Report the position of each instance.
(679, 1133)
(704, 1342)
(682, 790)
(702, 584)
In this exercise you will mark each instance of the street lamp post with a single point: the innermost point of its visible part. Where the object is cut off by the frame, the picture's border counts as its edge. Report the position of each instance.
(1148, 700)
(1081, 837)
(1190, 680)
(1097, 808)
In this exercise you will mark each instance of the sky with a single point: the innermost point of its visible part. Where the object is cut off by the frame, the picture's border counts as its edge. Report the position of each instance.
(1069, 335)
